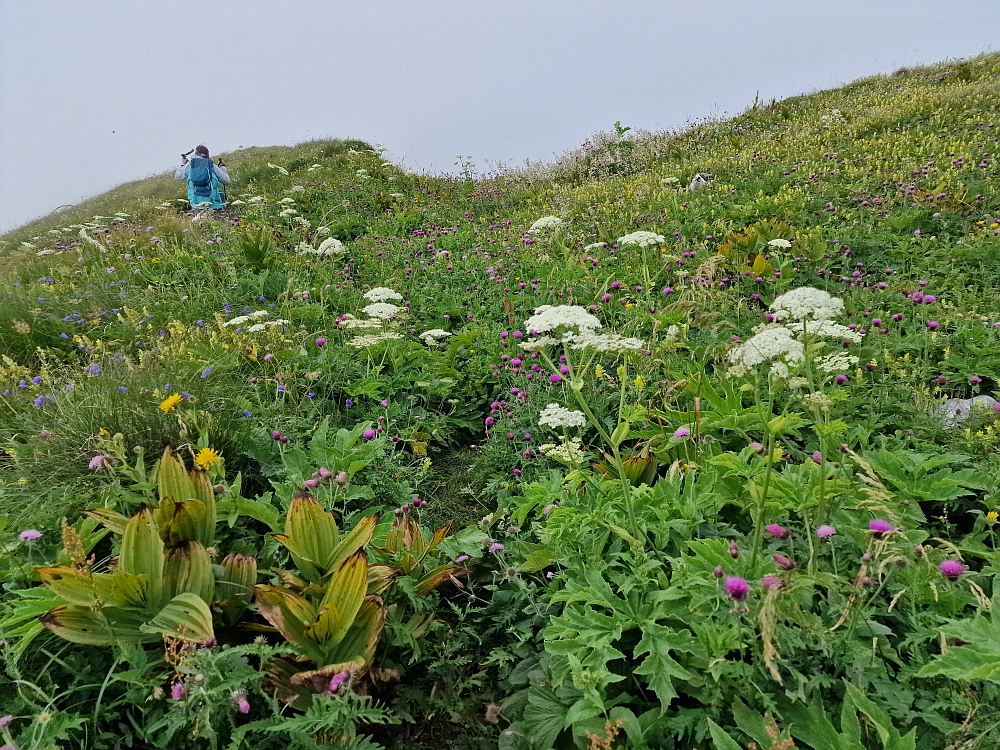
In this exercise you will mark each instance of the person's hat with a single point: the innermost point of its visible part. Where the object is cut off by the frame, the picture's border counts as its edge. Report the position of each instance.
(201, 151)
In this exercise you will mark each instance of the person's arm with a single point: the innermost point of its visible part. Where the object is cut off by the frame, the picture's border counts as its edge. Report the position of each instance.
(181, 173)
(223, 174)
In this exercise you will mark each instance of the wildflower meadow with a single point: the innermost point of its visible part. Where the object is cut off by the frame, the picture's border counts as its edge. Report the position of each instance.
(681, 440)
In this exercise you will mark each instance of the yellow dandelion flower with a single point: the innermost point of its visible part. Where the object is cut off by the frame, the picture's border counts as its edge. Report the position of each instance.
(22, 482)
(639, 382)
(207, 458)
(170, 403)
(992, 516)
(599, 371)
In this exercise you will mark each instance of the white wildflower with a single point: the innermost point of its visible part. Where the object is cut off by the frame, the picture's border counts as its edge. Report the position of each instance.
(280, 169)
(837, 362)
(827, 328)
(596, 246)
(304, 247)
(380, 310)
(330, 246)
(322, 230)
(362, 342)
(287, 212)
(570, 453)
(237, 321)
(773, 344)
(289, 201)
(818, 401)
(382, 294)
(237, 202)
(806, 303)
(603, 342)
(431, 337)
(356, 323)
(546, 222)
(47, 251)
(296, 189)
(780, 243)
(548, 318)
(257, 199)
(534, 345)
(257, 327)
(314, 167)
(557, 417)
(641, 239)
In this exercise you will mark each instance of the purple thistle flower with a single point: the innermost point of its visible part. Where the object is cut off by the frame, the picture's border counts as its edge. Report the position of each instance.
(321, 342)
(770, 581)
(461, 558)
(5, 720)
(785, 563)
(496, 547)
(879, 527)
(951, 569)
(681, 432)
(176, 691)
(825, 531)
(338, 680)
(30, 535)
(240, 701)
(368, 434)
(737, 588)
(99, 462)
(776, 531)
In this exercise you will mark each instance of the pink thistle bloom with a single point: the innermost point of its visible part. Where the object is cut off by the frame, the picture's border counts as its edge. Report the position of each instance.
(30, 535)
(496, 547)
(99, 462)
(785, 563)
(338, 680)
(879, 527)
(368, 434)
(5, 720)
(681, 432)
(320, 342)
(555, 378)
(240, 701)
(176, 691)
(737, 588)
(951, 569)
(776, 531)
(825, 531)
(769, 582)
(461, 558)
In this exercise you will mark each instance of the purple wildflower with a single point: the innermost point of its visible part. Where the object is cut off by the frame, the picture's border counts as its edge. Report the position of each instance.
(681, 432)
(338, 680)
(879, 527)
(951, 569)
(770, 581)
(176, 691)
(737, 588)
(825, 531)
(496, 547)
(776, 531)
(30, 535)
(239, 699)
(368, 434)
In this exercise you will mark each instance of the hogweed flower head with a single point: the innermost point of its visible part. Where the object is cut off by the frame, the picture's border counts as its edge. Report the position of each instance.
(558, 417)
(806, 303)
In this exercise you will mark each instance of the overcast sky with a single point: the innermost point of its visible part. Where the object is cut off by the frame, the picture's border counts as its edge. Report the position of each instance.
(97, 92)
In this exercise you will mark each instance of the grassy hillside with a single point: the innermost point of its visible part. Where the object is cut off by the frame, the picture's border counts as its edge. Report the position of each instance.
(743, 509)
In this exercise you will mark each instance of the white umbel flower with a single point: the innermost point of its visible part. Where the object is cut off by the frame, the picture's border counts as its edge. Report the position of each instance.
(358, 323)
(548, 318)
(431, 337)
(557, 417)
(546, 222)
(380, 310)
(827, 328)
(780, 243)
(641, 239)
(603, 342)
(775, 344)
(570, 453)
(837, 362)
(363, 342)
(806, 303)
(330, 246)
(382, 294)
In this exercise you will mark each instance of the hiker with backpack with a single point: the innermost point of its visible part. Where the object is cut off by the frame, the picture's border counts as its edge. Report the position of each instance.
(203, 177)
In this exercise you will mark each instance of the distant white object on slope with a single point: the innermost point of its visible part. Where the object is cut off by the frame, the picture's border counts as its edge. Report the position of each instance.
(956, 411)
(700, 181)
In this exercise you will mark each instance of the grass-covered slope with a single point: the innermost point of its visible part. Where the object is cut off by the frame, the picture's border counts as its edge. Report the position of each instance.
(128, 324)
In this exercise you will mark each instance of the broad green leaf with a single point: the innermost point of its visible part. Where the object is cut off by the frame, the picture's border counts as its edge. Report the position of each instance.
(363, 635)
(659, 667)
(186, 617)
(188, 569)
(359, 538)
(291, 615)
(142, 552)
(344, 595)
(721, 738)
(543, 717)
(104, 628)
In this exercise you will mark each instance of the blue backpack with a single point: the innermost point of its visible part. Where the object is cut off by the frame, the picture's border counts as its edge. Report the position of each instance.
(200, 173)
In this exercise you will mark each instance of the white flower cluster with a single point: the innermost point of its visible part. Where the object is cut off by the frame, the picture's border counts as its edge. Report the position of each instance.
(837, 362)
(287, 212)
(382, 294)
(241, 319)
(806, 303)
(558, 417)
(602, 342)
(546, 222)
(380, 310)
(363, 342)
(596, 246)
(829, 329)
(430, 338)
(570, 453)
(785, 244)
(258, 327)
(330, 246)
(641, 239)
(359, 323)
(548, 318)
(775, 344)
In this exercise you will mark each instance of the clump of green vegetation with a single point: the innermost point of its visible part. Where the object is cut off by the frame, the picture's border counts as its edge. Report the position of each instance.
(705, 422)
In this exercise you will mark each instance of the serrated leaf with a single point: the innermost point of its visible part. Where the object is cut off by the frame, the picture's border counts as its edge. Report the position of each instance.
(721, 738)
(659, 667)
